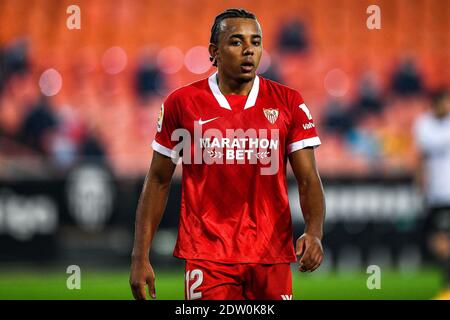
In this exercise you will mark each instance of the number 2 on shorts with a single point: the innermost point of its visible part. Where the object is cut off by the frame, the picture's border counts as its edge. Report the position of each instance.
(191, 275)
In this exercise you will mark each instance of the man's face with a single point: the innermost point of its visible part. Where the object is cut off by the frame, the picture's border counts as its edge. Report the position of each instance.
(239, 48)
(442, 107)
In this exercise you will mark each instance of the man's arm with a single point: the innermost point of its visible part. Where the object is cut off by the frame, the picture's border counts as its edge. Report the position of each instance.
(151, 206)
(312, 202)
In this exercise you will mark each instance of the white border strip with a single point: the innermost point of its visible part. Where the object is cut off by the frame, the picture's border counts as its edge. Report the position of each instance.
(223, 102)
(251, 99)
(163, 150)
(310, 142)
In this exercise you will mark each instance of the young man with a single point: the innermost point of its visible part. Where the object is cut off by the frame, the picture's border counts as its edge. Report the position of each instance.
(238, 130)
(432, 135)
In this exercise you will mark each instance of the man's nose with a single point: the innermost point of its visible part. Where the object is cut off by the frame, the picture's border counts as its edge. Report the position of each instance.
(248, 50)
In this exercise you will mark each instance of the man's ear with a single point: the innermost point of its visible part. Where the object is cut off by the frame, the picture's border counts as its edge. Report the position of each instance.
(213, 52)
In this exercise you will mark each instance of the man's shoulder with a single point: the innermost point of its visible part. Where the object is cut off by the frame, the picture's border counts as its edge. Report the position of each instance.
(188, 91)
(286, 94)
(274, 85)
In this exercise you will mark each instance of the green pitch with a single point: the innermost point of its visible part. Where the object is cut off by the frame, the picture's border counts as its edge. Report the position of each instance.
(96, 284)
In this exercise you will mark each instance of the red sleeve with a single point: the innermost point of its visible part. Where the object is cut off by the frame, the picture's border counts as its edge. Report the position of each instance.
(168, 121)
(302, 131)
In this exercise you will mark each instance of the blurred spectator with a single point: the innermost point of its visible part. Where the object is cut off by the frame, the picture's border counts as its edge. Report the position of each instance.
(91, 149)
(337, 119)
(364, 142)
(432, 135)
(369, 99)
(38, 126)
(293, 37)
(406, 79)
(273, 72)
(14, 59)
(395, 143)
(67, 138)
(149, 79)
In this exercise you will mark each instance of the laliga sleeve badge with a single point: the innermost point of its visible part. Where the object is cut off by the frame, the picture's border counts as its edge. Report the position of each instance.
(160, 118)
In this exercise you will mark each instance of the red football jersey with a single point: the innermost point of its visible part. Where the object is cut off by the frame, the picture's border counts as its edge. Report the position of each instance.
(235, 206)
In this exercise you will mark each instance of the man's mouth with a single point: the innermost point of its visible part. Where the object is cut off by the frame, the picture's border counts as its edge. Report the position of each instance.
(247, 66)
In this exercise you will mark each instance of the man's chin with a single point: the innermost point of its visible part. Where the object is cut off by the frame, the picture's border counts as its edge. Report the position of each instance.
(247, 76)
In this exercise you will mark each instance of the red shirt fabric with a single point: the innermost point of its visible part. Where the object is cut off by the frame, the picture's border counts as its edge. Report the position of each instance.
(230, 211)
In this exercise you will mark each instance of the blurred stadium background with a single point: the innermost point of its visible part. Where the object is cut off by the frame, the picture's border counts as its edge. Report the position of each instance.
(78, 112)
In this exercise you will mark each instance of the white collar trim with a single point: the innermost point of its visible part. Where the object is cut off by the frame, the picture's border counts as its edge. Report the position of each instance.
(251, 99)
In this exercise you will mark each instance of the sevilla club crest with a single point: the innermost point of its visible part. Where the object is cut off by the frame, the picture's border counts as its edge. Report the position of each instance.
(271, 115)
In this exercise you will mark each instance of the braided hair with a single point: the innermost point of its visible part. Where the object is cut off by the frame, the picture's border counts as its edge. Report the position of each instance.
(229, 13)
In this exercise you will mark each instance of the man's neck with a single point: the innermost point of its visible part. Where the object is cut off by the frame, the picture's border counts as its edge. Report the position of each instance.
(231, 86)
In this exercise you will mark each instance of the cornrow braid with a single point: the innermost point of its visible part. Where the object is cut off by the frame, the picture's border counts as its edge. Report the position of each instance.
(229, 13)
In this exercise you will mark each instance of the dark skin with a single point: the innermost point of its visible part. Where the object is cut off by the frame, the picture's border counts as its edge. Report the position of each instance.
(151, 206)
(312, 201)
(238, 53)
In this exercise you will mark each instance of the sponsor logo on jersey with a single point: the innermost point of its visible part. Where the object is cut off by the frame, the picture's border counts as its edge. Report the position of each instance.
(286, 296)
(308, 125)
(271, 115)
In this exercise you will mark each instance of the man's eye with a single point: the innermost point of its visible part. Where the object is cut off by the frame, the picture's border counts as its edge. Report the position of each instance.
(236, 43)
(257, 43)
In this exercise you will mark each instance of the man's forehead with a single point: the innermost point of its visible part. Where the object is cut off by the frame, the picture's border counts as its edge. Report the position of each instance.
(239, 26)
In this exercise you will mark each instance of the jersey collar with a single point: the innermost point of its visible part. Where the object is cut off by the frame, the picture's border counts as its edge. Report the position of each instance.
(251, 99)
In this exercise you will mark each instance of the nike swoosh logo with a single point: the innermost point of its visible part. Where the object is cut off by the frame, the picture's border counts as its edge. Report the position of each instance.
(200, 121)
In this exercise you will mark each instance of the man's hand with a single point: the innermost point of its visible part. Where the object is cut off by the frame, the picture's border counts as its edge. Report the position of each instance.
(312, 202)
(141, 275)
(151, 205)
(309, 249)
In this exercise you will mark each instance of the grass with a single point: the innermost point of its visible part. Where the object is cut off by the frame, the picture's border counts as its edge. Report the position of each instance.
(113, 285)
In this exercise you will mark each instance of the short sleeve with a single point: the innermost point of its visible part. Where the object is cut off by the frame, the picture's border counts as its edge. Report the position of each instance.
(168, 121)
(302, 130)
